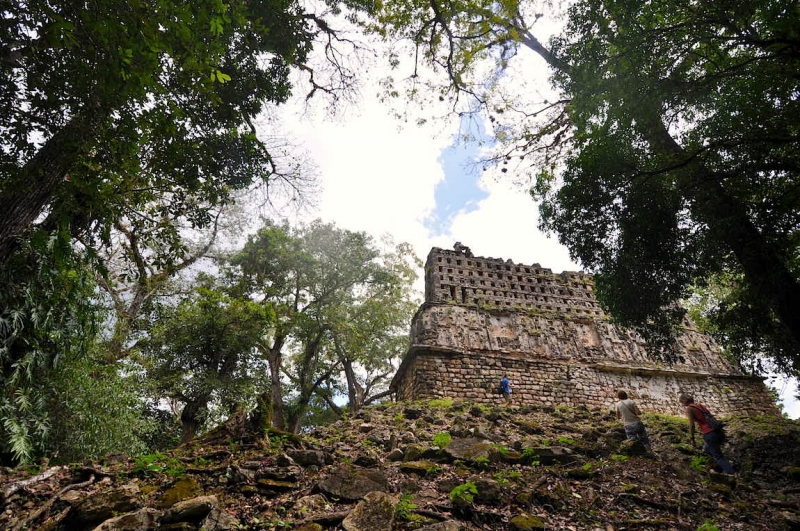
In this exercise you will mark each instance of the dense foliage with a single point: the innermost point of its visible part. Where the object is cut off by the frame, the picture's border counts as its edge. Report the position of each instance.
(343, 306)
(122, 125)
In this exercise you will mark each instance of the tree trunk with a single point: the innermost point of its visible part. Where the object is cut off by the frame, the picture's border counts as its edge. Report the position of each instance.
(24, 199)
(192, 417)
(765, 271)
(355, 393)
(275, 358)
(306, 386)
(261, 421)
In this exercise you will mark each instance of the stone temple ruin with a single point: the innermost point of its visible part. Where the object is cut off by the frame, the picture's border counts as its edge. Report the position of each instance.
(484, 318)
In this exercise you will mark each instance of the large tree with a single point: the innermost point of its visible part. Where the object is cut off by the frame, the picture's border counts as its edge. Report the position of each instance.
(670, 153)
(324, 285)
(202, 353)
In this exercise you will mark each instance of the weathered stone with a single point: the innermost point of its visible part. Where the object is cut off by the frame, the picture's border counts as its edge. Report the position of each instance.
(447, 525)
(141, 520)
(367, 461)
(374, 513)
(381, 438)
(104, 505)
(420, 468)
(219, 520)
(276, 484)
(527, 522)
(192, 510)
(395, 455)
(280, 473)
(309, 504)
(412, 413)
(412, 452)
(307, 457)
(549, 455)
(284, 461)
(489, 491)
(178, 526)
(353, 484)
(182, 489)
(468, 449)
(235, 475)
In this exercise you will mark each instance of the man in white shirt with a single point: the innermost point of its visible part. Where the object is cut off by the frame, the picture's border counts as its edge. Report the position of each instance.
(634, 428)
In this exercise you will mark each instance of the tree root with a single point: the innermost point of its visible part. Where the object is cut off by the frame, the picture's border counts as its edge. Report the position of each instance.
(10, 489)
(46, 507)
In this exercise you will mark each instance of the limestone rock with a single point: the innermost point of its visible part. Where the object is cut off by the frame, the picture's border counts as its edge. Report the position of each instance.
(468, 449)
(192, 510)
(374, 513)
(527, 522)
(182, 489)
(307, 457)
(395, 455)
(349, 484)
(141, 520)
(447, 525)
(104, 505)
(420, 468)
(219, 520)
(549, 455)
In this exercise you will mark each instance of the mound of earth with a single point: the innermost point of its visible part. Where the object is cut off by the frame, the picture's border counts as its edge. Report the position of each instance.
(434, 466)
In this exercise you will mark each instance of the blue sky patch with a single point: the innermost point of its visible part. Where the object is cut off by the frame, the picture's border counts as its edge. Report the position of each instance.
(459, 191)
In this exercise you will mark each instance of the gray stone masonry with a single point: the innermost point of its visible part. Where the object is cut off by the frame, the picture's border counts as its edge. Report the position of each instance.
(485, 318)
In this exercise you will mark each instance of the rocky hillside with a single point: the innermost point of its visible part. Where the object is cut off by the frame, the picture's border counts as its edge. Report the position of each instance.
(436, 465)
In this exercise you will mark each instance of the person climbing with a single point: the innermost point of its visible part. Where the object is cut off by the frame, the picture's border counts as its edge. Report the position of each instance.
(505, 386)
(713, 438)
(627, 410)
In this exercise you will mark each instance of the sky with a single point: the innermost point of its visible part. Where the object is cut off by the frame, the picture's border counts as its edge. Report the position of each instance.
(421, 185)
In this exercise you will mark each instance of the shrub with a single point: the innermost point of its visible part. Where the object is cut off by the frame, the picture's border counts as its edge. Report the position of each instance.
(441, 440)
(698, 462)
(463, 494)
(405, 508)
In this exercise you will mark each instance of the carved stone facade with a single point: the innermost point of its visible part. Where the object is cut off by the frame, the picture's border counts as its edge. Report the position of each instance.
(485, 318)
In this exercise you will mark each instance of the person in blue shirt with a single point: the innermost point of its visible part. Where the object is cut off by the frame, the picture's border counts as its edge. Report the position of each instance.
(505, 385)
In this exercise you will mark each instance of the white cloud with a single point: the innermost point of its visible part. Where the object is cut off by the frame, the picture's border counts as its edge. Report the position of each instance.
(375, 176)
(505, 226)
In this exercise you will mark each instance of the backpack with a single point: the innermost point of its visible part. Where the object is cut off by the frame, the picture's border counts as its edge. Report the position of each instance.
(712, 421)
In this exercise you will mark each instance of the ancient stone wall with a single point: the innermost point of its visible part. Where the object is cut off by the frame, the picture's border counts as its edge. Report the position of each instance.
(485, 318)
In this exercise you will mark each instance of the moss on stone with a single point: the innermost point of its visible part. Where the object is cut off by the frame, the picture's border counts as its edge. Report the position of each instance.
(183, 489)
(527, 522)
